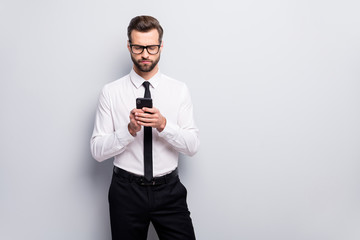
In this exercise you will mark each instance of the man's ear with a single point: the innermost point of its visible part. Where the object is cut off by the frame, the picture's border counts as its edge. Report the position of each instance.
(128, 45)
(161, 45)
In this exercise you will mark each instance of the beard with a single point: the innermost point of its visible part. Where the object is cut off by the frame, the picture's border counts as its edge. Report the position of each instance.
(145, 67)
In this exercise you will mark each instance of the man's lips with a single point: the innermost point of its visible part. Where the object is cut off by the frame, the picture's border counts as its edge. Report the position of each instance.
(145, 61)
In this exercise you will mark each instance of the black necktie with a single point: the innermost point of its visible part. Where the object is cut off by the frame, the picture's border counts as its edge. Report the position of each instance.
(148, 166)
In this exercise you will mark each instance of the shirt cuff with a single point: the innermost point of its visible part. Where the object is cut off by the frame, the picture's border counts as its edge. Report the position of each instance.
(170, 131)
(123, 136)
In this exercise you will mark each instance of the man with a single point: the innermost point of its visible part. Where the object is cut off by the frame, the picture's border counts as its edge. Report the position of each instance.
(145, 143)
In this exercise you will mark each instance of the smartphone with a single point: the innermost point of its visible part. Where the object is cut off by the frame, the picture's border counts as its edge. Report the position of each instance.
(144, 102)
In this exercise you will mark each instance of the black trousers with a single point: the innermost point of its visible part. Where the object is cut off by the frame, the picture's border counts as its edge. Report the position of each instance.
(133, 206)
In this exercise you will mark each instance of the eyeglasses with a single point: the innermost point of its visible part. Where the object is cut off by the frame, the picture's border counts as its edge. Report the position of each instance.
(138, 49)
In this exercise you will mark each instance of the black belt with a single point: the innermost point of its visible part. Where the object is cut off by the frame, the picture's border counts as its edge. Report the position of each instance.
(141, 179)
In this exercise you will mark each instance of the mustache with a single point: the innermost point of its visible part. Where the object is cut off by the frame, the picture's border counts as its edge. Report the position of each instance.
(145, 59)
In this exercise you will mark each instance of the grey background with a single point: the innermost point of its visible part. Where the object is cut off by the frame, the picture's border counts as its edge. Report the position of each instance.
(275, 86)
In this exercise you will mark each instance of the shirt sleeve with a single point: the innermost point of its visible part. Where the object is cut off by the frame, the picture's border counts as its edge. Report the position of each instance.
(183, 135)
(105, 141)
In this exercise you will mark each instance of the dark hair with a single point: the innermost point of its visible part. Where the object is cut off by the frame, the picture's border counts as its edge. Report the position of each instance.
(144, 24)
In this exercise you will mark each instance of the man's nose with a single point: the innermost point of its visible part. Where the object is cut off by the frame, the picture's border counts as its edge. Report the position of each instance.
(145, 53)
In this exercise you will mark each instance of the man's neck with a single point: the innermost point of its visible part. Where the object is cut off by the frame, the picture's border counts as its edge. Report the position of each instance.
(146, 75)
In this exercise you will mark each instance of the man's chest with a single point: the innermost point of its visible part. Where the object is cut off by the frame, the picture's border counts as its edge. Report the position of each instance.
(123, 102)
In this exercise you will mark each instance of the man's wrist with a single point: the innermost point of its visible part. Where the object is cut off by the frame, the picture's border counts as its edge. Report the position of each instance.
(132, 132)
(162, 126)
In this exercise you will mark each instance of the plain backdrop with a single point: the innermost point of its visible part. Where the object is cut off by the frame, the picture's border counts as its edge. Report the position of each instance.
(276, 92)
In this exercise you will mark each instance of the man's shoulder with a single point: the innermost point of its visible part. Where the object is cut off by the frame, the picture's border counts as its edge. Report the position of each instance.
(117, 84)
(172, 81)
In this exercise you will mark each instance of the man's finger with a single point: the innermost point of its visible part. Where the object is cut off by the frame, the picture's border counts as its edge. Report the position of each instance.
(143, 119)
(150, 110)
(145, 115)
(135, 110)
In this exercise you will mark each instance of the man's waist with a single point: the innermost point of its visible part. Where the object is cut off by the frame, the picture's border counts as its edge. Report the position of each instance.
(131, 177)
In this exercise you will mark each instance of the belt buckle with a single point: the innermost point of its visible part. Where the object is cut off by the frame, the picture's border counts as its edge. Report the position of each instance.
(144, 182)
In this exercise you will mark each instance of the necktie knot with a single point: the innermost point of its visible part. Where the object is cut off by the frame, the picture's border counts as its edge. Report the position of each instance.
(147, 94)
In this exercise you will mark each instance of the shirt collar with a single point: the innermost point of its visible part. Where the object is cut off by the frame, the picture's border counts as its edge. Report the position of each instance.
(137, 80)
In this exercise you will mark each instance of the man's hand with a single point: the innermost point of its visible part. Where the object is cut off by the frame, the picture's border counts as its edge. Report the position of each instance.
(133, 126)
(150, 117)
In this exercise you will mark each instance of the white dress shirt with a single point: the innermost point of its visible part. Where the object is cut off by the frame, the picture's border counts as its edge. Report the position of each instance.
(111, 137)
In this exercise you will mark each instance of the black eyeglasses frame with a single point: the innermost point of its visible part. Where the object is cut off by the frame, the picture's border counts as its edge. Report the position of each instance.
(144, 47)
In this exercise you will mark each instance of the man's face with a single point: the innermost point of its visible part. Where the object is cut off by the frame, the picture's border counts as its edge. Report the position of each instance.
(145, 62)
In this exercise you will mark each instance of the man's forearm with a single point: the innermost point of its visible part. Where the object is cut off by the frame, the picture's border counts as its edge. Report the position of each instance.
(184, 140)
(106, 146)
